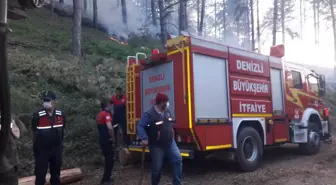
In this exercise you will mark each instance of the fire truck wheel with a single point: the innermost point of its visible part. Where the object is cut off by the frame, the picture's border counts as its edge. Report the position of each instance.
(313, 145)
(249, 150)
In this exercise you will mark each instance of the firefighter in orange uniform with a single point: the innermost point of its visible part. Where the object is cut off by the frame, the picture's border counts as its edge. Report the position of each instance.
(119, 113)
(106, 139)
(48, 128)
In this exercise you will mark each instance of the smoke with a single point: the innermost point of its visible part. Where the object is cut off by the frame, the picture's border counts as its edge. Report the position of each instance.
(110, 17)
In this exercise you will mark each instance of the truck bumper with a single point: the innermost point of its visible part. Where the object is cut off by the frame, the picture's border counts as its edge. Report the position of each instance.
(184, 153)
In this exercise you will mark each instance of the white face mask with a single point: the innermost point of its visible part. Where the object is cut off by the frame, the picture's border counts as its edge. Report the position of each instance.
(47, 105)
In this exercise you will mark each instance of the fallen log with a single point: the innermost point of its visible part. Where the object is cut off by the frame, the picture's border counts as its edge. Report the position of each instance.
(67, 176)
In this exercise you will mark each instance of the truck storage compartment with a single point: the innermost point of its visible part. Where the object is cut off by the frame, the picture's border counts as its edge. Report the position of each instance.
(210, 88)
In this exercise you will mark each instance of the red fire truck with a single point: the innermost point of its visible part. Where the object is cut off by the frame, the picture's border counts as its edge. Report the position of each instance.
(228, 99)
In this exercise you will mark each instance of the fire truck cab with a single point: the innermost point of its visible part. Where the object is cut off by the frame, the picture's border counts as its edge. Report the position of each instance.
(228, 99)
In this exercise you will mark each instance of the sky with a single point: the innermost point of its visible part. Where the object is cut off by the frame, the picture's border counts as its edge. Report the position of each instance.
(303, 51)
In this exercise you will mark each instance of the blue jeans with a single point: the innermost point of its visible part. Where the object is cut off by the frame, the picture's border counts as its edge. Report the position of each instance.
(158, 153)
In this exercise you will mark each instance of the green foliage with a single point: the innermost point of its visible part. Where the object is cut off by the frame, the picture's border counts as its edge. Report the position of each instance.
(40, 59)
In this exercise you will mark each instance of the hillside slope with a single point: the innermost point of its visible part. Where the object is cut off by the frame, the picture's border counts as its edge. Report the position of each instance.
(40, 59)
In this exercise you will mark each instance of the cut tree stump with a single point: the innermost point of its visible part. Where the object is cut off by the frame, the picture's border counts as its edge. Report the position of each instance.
(127, 157)
(67, 176)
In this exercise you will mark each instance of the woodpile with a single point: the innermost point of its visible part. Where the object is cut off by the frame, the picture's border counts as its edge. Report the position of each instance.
(67, 176)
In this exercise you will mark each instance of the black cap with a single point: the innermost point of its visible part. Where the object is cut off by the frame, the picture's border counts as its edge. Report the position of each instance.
(48, 95)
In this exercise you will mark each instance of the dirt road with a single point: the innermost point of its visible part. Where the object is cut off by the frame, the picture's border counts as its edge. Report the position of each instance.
(281, 166)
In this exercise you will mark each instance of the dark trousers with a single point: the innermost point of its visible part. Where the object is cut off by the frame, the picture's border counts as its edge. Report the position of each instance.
(158, 153)
(48, 157)
(123, 128)
(108, 152)
(10, 177)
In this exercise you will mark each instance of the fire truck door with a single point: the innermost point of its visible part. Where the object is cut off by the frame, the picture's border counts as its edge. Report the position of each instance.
(277, 126)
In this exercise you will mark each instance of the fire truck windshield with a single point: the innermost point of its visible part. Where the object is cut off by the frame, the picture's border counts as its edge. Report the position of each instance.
(313, 84)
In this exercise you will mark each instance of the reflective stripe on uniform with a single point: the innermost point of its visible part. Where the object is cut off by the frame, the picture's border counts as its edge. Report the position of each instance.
(42, 113)
(11, 125)
(47, 127)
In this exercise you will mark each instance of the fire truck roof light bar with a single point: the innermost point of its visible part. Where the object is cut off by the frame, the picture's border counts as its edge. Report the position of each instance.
(137, 57)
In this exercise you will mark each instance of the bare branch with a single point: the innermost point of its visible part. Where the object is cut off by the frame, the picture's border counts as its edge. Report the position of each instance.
(173, 4)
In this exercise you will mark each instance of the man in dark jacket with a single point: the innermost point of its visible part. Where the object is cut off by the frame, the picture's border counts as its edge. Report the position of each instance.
(48, 129)
(156, 131)
(9, 162)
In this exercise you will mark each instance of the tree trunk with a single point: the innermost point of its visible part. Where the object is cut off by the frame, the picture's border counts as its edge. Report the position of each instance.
(146, 5)
(275, 19)
(247, 35)
(153, 9)
(314, 14)
(318, 22)
(283, 31)
(66, 177)
(304, 12)
(61, 1)
(168, 9)
(215, 19)
(124, 11)
(76, 27)
(252, 25)
(162, 23)
(258, 28)
(198, 14)
(52, 9)
(185, 11)
(95, 13)
(200, 29)
(224, 19)
(333, 18)
(183, 20)
(301, 20)
(85, 5)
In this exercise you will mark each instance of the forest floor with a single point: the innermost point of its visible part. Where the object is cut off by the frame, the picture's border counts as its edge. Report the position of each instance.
(281, 166)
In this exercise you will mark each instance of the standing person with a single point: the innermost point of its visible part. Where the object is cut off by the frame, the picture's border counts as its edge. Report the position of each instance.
(119, 113)
(9, 162)
(48, 126)
(155, 130)
(106, 139)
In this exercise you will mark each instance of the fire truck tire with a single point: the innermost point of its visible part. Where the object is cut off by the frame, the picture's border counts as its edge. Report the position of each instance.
(313, 145)
(249, 149)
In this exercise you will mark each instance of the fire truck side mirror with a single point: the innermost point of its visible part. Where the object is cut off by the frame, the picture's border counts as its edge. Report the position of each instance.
(322, 86)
